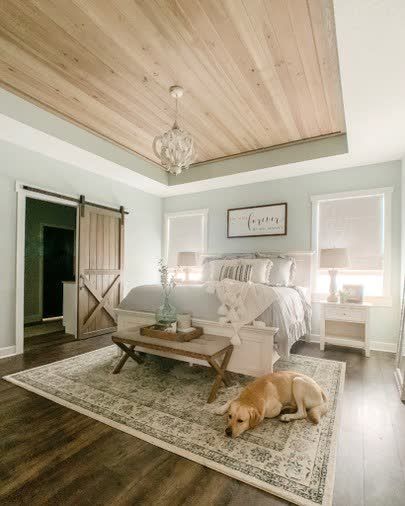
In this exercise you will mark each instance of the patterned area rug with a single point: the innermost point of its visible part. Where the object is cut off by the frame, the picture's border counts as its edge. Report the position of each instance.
(164, 402)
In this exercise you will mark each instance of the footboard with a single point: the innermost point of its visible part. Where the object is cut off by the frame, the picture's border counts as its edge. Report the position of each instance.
(255, 356)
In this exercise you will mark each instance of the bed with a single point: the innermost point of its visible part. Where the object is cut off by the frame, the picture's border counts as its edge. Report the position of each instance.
(290, 312)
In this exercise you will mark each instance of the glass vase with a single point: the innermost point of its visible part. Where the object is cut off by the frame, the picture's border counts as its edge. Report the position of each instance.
(166, 314)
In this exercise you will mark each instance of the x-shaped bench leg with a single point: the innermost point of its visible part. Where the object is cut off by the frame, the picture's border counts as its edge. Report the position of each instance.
(221, 374)
(128, 352)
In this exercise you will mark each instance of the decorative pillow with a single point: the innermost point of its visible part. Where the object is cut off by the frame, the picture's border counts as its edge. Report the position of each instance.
(261, 268)
(215, 267)
(283, 270)
(205, 265)
(207, 259)
(240, 272)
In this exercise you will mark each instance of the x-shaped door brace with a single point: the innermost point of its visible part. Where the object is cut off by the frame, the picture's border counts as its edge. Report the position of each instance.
(101, 299)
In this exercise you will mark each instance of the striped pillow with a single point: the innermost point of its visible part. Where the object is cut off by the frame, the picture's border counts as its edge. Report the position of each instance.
(240, 272)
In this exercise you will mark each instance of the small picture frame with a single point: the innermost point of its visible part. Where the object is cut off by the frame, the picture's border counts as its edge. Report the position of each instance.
(353, 293)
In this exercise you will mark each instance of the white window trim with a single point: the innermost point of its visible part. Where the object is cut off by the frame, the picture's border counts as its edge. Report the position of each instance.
(386, 298)
(180, 214)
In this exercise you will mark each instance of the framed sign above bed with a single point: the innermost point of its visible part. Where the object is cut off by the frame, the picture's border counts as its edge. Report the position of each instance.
(257, 221)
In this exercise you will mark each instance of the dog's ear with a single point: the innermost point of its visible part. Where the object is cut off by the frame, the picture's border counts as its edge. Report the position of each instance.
(254, 417)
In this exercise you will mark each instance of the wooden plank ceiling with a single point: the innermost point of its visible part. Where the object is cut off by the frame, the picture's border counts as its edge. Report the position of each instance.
(256, 73)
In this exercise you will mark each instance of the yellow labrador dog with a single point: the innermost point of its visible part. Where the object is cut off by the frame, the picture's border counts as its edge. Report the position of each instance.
(268, 396)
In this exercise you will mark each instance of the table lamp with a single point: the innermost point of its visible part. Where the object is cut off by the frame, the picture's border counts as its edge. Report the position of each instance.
(185, 260)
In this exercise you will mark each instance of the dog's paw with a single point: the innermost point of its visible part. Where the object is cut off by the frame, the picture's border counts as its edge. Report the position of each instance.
(285, 418)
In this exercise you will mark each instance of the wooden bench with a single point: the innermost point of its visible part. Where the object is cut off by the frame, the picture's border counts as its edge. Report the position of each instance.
(207, 347)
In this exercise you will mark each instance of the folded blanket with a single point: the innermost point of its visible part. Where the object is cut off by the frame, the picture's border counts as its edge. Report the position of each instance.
(241, 302)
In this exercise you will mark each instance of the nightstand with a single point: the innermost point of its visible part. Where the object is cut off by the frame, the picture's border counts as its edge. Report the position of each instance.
(345, 325)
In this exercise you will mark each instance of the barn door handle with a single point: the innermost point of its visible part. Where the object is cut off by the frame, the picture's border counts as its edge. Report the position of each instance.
(81, 282)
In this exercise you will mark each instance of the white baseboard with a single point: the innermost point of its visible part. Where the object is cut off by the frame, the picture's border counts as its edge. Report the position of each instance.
(7, 351)
(383, 346)
(374, 344)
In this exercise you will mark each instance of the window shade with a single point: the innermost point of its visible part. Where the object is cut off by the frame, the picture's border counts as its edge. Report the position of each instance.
(185, 233)
(356, 224)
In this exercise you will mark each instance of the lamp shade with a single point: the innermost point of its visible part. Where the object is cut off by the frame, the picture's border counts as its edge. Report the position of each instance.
(334, 258)
(187, 258)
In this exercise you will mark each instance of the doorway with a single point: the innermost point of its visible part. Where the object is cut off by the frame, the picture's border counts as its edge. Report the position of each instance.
(50, 239)
(58, 266)
(89, 300)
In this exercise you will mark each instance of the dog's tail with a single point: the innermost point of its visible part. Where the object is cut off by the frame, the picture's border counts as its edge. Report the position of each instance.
(315, 414)
(221, 410)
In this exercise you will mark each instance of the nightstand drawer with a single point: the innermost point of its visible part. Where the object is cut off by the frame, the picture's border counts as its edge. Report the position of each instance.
(353, 314)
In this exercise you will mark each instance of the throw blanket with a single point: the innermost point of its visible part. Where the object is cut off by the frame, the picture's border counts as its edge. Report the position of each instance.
(241, 302)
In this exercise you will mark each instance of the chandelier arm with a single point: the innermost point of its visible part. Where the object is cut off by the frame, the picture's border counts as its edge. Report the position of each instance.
(177, 110)
(154, 146)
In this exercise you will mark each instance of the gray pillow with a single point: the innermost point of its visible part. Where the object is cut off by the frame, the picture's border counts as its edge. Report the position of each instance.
(283, 270)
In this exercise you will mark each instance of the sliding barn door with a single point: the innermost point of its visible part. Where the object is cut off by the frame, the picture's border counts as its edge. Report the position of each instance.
(101, 258)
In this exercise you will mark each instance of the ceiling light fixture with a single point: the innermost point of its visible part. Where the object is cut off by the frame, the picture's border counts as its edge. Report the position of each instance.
(175, 148)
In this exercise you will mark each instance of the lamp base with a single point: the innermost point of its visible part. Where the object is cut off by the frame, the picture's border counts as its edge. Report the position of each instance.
(333, 297)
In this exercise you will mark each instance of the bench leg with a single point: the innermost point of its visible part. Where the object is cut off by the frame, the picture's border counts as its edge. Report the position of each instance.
(221, 374)
(128, 352)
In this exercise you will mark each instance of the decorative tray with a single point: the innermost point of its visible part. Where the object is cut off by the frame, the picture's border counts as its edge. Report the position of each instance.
(158, 331)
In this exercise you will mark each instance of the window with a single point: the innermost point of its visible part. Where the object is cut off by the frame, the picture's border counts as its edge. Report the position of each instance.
(361, 222)
(185, 231)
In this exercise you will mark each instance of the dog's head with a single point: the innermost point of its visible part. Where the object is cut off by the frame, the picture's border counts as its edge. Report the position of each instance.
(241, 417)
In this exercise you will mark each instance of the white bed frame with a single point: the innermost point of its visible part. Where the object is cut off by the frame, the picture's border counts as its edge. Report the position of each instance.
(256, 355)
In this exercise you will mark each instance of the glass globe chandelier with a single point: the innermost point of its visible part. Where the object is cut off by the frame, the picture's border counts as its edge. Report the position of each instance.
(175, 148)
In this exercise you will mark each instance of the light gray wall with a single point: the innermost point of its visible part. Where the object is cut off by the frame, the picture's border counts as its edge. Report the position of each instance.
(402, 219)
(297, 193)
(143, 224)
(39, 213)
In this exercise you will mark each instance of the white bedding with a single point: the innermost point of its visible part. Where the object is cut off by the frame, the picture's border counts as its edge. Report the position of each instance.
(289, 312)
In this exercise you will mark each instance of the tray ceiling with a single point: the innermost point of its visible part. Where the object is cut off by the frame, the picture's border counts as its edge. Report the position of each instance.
(256, 74)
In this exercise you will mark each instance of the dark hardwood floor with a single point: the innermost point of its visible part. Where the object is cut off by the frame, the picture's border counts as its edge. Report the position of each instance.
(46, 341)
(52, 455)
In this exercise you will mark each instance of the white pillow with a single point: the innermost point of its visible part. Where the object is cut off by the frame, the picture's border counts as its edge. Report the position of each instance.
(207, 259)
(261, 268)
(280, 274)
(215, 267)
(205, 266)
(283, 270)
